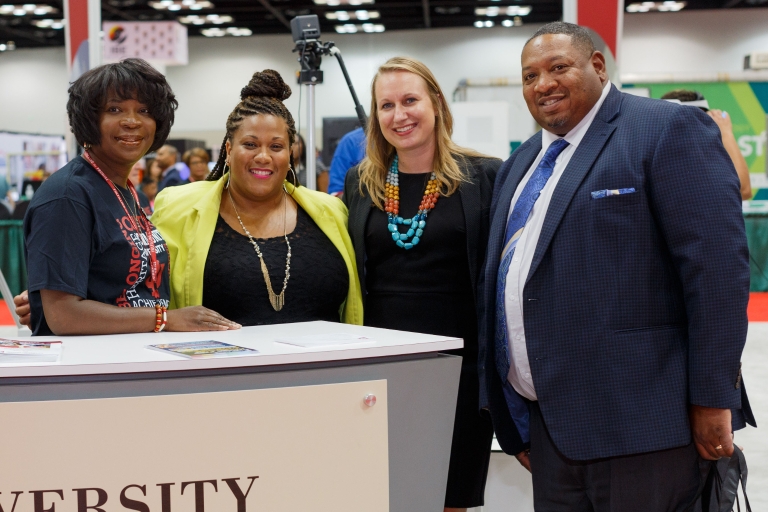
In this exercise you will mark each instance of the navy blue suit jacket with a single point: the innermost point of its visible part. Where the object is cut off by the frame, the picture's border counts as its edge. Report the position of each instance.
(635, 305)
(172, 178)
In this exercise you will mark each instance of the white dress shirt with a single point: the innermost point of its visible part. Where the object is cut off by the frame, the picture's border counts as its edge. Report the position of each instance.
(520, 369)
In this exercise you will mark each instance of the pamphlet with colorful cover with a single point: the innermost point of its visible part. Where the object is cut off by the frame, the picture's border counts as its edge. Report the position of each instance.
(203, 349)
(28, 351)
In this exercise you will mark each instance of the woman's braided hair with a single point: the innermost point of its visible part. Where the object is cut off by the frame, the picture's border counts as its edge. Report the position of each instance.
(264, 94)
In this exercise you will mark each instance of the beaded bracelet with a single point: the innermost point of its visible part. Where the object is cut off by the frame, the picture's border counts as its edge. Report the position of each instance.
(161, 317)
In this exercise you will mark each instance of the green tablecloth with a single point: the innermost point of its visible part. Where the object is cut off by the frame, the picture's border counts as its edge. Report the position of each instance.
(15, 268)
(757, 238)
(12, 261)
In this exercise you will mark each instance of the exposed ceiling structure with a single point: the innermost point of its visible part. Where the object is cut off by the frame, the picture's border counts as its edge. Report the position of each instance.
(39, 25)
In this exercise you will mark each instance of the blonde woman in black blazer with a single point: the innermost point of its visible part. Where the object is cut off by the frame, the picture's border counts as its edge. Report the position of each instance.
(420, 246)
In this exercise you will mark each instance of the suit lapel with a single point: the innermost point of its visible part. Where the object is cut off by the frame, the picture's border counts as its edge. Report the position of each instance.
(581, 163)
(471, 204)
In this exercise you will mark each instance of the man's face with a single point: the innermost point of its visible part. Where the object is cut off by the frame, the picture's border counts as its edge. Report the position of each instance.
(561, 82)
(165, 158)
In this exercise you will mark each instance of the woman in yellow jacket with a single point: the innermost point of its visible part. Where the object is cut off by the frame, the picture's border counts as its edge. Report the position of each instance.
(249, 244)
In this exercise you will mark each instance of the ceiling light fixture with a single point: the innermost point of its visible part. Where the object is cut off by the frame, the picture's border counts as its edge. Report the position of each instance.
(668, 6)
(177, 5)
(514, 22)
(229, 31)
(26, 10)
(484, 24)
(351, 28)
(211, 19)
(343, 2)
(509, 10)
(48, 23)
(352, 15)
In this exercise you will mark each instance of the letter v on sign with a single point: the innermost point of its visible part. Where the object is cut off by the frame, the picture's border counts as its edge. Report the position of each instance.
(15, 499)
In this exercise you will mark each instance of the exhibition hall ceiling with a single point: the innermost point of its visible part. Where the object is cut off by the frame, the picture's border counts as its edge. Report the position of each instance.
(24, 25)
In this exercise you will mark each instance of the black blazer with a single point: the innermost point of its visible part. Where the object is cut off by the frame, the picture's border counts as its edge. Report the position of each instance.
(476, 195)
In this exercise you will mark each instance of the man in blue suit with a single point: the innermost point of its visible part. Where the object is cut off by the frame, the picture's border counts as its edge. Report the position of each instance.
(615, 290)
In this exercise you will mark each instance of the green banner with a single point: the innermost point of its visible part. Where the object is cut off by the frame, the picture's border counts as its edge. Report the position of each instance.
(746, 104)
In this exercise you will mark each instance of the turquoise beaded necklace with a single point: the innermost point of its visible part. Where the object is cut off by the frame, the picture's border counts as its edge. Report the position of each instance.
(418, 222)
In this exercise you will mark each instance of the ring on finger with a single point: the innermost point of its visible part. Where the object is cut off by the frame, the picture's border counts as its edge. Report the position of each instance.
(719, 447)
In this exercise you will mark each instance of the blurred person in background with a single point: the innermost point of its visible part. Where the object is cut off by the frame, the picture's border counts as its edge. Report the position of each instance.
(149, 189)
(136, 177)
(166, 160)
(6, 201)
(197, 160)
(418, 218)
(349, 153)
(155, 171)
(723, 121)
(300, 165)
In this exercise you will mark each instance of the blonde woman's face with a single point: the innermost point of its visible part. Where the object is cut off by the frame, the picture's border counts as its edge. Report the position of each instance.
(405, 111)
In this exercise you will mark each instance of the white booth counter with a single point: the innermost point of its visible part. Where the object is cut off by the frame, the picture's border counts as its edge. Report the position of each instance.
(353, 426)
(127, 353)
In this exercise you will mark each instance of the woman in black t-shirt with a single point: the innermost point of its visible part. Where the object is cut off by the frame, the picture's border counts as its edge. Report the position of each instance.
(96, 264)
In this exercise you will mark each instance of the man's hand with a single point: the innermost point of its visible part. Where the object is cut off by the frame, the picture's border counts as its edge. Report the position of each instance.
(23, 311)
(711, 429)
(524, 459)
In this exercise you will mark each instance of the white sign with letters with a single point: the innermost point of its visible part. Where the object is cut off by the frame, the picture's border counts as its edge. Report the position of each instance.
(162, 42)
(318, 448)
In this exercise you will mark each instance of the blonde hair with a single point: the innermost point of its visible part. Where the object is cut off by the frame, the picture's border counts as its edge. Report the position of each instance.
(380, 153)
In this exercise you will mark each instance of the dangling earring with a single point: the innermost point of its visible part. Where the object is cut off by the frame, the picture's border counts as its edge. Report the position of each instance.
(86, 146)
(226, 168)
(295, 178)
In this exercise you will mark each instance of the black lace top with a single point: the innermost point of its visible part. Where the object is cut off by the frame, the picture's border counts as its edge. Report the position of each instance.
(233, 284)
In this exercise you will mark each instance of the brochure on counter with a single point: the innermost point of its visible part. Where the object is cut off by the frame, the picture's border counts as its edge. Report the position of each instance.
(203, 349)
(28, 351)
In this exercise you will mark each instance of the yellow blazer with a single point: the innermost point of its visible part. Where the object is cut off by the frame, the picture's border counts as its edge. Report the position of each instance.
(186, 217)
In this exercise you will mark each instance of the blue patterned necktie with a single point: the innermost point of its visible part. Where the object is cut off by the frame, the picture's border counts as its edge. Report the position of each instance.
(518, 408)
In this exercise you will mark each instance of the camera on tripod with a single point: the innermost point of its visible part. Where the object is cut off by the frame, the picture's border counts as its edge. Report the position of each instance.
(306, 34)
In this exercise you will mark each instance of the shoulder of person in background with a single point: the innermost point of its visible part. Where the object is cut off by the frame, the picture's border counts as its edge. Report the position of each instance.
(349, 152)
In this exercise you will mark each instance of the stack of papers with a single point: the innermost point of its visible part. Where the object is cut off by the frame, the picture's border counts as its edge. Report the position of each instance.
(26, 351)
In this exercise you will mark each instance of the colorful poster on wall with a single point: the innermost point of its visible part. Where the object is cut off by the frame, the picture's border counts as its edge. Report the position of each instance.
(163, 42)
(746, 104)
(30, 158)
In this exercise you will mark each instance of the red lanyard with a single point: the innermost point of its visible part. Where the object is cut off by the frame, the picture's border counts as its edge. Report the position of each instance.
(153, 264)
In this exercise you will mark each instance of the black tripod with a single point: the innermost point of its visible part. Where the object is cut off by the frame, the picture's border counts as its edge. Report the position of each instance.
(311, 53)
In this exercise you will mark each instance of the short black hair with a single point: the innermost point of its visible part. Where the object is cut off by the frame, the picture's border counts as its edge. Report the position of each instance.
(128, 79)
(683, 95)
(580, 36)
